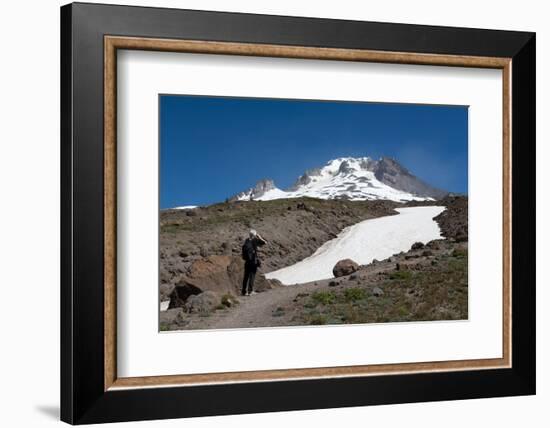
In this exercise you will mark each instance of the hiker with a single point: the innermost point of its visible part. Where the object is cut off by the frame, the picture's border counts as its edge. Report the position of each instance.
(251, 260)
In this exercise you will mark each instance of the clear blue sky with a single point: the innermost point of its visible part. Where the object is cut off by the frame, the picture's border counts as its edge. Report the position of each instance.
(214, 147)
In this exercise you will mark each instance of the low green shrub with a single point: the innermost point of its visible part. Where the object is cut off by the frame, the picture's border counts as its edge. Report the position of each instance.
(324, 297)
(354, 294)
(402, 275)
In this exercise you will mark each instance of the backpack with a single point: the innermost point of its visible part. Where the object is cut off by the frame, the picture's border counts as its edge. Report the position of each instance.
(248, 252)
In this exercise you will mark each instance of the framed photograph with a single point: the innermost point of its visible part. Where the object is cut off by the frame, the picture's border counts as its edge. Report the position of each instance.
(266, 213)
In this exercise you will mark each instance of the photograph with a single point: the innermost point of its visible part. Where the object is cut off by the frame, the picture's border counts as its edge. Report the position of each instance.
(267, 210)
(290, 212)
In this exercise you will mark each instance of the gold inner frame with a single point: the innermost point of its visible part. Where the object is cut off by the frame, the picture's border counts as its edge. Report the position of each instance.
(113, 43)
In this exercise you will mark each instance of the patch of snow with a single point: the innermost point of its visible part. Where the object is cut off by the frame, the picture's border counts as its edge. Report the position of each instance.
(185, 207)
(164, 305)
(275, 193)
(245, 196)
(363, 242)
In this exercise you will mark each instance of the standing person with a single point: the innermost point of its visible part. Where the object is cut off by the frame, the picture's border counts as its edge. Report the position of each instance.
(251, 260)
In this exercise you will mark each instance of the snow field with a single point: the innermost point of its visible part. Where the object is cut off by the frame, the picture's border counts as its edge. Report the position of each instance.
(363, 242)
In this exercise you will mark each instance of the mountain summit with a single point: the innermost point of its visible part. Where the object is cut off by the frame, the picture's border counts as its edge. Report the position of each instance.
(352, 179)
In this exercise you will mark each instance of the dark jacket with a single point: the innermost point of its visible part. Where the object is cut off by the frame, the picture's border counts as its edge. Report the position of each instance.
(250, 250)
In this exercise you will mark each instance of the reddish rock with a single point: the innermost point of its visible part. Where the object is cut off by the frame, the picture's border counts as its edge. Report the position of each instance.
(220, 274)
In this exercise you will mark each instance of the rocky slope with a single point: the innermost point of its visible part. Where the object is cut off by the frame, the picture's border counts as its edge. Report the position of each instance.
(428, 282)
(453, 222)
(201, 267)
(206, 242)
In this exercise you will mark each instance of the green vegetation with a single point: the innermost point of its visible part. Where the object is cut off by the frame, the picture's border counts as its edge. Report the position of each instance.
(354, 294)
(401, 275)
(324, 297)
(437, 293)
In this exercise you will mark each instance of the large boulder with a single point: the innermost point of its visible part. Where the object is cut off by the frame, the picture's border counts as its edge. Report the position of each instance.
(210, 273)
(344, 267)
(180, 293)
(202, 303)
(221, 274)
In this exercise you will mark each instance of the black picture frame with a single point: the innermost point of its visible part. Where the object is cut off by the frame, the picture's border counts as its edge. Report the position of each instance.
(83, 398)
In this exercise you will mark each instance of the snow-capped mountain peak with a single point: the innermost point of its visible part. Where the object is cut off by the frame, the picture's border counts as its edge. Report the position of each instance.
(349, 178)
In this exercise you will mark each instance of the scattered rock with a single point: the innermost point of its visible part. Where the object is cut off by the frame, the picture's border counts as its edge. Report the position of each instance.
(344, 267)
(332, 284)
(228, 300)
(417, 246)
(427, 253)
(377, 291)
(181, 293)
(434, 245)
(453, 222)
(402, 266)
(227, 248)
(201, 303)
